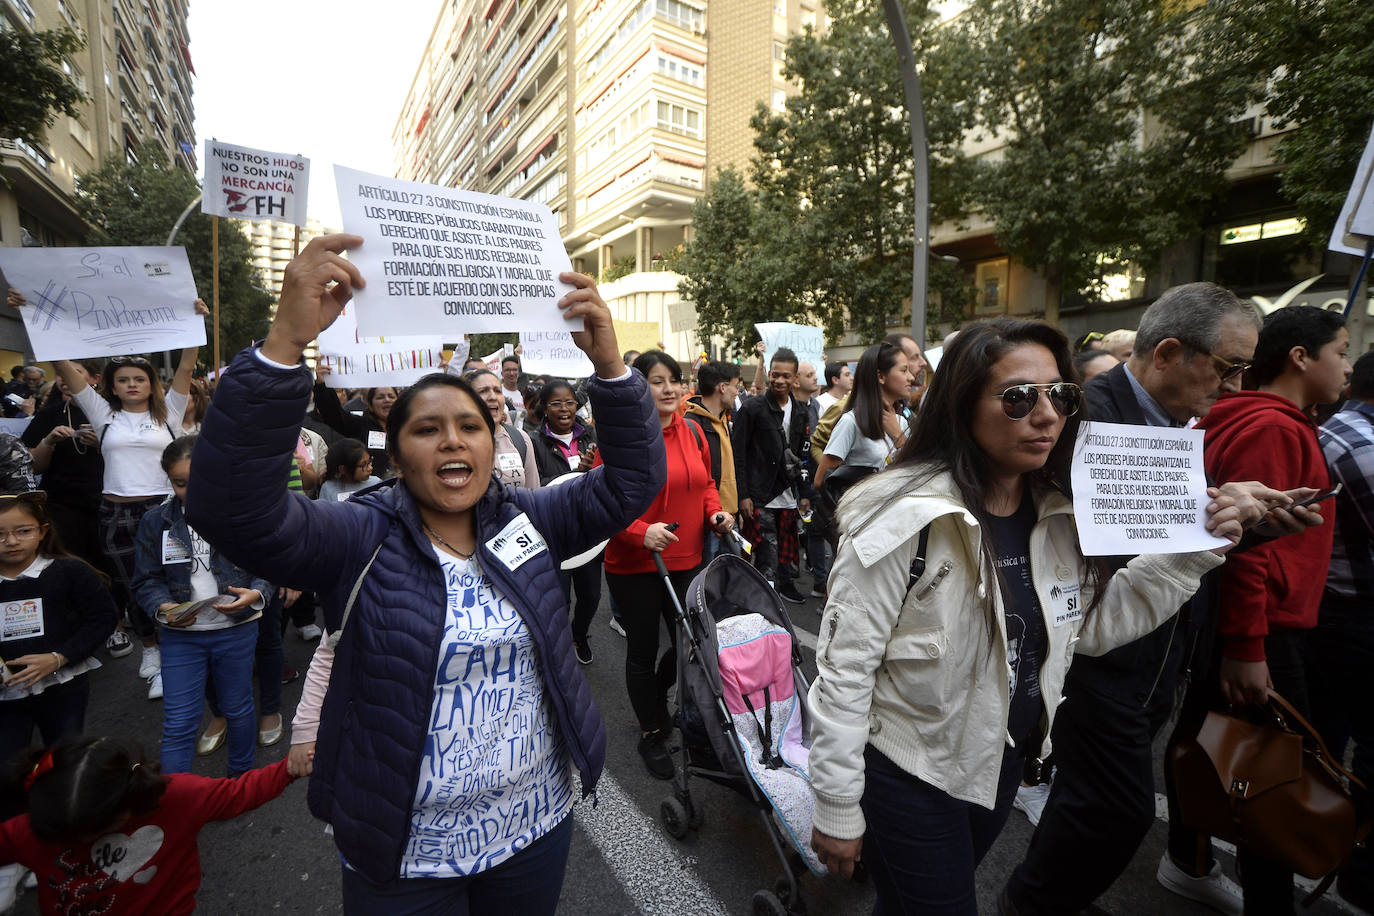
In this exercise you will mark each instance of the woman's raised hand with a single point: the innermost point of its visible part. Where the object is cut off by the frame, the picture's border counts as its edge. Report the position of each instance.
(597, 340)
(316, 286)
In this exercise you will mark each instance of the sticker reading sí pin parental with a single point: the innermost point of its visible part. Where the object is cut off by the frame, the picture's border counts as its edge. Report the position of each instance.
(1066, 602)
(517, 542)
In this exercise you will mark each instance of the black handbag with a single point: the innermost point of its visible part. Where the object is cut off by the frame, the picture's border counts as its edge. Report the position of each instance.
(840, 480)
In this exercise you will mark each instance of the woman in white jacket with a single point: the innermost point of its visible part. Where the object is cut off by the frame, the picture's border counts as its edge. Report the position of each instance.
(958, 597)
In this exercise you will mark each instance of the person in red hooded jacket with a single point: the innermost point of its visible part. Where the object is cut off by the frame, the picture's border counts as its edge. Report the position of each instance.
(690, 500)
(1270, 594)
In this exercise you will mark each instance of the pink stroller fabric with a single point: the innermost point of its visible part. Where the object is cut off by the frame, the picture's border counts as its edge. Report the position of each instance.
(755, 661)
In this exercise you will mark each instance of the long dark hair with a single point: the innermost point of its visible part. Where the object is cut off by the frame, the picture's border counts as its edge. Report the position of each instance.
(157, 402)
(943, 433)
(345, 453)
(78, 787)
(866, 400)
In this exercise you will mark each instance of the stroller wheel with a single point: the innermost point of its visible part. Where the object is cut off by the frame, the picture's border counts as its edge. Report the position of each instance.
(675, 819)
(694, 815)
(766, 903)
(783, 889)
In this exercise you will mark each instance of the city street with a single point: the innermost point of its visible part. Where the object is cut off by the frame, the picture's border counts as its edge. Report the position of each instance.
(278, 859)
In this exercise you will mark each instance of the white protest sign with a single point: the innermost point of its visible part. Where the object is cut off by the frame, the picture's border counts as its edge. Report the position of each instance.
(368, 362)
(87, 302)
(1140, 489)
(494, 360)
(254, 184)
(807, 342)
(682, 316)
(460, 356)
(553, 353)
(442, 261)
(1355, 226)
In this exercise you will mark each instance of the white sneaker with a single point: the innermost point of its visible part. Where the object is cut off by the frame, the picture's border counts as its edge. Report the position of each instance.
(615, 625)
(309, 632)
(119, 644)
(1213, 890)
(10, 876)
(152, 662)
(30, 880)
(1031, 800)
(155, 686)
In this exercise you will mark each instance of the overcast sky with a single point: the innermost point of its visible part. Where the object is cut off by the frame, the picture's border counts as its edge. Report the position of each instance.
(320, 79)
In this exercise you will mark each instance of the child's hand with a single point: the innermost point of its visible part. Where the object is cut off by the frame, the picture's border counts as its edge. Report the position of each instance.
(301, 760)
(34, 668)
(247, 597)
(184, 621)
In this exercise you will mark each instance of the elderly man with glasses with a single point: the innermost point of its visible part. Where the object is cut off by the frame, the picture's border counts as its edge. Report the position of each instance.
(1193, 345)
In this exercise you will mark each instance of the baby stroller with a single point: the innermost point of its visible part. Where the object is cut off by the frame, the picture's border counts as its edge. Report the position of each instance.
(743, 717)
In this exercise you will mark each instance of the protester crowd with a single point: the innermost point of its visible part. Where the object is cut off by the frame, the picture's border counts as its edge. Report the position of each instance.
(971, 659)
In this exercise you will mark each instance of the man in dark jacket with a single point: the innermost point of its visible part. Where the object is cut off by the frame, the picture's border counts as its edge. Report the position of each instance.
(1193, 344)
(769, 439)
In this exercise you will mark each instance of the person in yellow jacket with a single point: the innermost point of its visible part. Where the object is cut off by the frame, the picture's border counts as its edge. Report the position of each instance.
(717, 385)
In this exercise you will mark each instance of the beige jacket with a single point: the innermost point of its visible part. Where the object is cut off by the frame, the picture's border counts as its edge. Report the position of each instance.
(918, 672)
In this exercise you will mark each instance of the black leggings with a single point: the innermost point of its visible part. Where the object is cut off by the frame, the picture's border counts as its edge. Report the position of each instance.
(643, 601)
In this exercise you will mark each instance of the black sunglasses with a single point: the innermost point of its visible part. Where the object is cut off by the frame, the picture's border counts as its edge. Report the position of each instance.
(1019, 400)
(130, 361)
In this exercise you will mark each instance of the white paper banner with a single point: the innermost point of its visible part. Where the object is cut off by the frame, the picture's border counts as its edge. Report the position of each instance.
(1355, 226)
(553, 353)
(1140, 489)
(367, 362)
(460, 356)
(88, 302)
(245, 183)
(442, 261)
(807, 342)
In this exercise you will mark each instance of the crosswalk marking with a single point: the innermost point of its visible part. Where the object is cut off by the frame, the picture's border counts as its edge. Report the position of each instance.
(653, 873)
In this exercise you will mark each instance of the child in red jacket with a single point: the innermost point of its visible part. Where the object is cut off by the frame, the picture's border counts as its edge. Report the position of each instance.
(106, 833)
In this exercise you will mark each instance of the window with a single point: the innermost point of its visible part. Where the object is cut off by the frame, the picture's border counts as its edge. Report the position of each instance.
(779, 50)
(679, 119)
(779, 100)
(673, 68)
(675, 11)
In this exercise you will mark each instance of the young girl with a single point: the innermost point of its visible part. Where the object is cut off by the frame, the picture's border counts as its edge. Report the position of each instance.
(106, 833)
(347, 469)
(133, 422)
(175, 565)
(62, 612)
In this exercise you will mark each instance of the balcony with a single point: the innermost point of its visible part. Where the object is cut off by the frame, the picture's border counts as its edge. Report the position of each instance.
(39, 157)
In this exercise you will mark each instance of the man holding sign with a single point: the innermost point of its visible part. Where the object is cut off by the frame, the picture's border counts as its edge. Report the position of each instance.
(1192, 346)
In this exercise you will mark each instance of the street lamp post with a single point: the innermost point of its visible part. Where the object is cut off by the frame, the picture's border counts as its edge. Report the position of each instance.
(920, 166)
(171, 237)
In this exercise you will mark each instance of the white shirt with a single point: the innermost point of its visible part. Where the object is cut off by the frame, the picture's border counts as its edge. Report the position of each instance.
(854, 449)
(787, 499)
(516, 399)
(495, 775)
(132, 443)
(824, 402)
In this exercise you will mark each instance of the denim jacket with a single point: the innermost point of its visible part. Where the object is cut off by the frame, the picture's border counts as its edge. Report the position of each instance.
(156, 583)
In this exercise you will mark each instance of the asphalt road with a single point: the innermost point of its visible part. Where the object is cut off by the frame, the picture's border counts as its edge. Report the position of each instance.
(279, 860)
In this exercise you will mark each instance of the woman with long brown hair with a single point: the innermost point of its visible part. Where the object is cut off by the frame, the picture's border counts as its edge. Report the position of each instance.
(958, 598)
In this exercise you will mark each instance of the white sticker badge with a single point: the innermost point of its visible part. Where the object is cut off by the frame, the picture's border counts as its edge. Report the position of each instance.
(1066, 602)
(517, 542)
(509, 462)
(376, 439)
(173, 550)
(21, 619)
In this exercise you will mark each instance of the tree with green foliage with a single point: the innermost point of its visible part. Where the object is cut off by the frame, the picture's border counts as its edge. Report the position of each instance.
(1118, 123)
(34, 88)
(1319, 58)
(822, 232)
(129, 203)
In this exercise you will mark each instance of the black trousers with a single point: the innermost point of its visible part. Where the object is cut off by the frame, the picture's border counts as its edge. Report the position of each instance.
(643, 602)
(586, 582)
(1102, 802)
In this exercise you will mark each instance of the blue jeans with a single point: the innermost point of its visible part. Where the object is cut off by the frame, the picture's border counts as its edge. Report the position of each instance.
(188, 657)
(271, 660)
(527, 884)
(922, 844)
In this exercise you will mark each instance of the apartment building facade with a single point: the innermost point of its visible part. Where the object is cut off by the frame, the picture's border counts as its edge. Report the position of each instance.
(612, 112)
(136, 71)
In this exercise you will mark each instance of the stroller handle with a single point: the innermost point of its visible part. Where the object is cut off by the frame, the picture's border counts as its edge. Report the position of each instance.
(658, 554)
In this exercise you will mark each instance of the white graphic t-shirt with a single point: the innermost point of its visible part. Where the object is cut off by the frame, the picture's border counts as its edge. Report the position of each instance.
(495, 775)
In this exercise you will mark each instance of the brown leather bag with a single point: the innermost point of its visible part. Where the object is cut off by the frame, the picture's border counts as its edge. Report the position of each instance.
(1271, 789)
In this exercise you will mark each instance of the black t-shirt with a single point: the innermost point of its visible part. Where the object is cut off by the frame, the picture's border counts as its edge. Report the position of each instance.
(1009, 539)
(76, 474)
